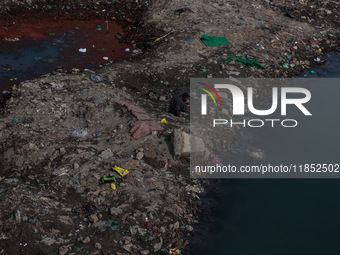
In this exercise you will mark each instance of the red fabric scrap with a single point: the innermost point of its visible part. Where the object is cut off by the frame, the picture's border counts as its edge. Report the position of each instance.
(145, 124)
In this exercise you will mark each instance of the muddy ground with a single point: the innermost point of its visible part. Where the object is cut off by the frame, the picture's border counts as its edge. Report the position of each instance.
(61, 133)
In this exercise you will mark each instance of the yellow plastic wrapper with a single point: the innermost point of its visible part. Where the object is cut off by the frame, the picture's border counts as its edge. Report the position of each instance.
(121, 171)
(174, 252)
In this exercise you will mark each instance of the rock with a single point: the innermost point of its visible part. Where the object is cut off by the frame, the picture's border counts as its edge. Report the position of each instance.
(144, 252)
(142, 231)
(189, 228)
(140, 155)
(87, 240)
(100, 224)
(158, 246)
(98, 246)
(127, 247)
(162, 98)
(106, 154)
(2, 125)
(17, 216)
(115, 211)
(62, 150)
(75, 166)
(31, 146)
(176, 225)
(48, 241)
(93, 218)
(133, 230)
(65, 219)
(162, 229)
(181, 143)
(63, 250)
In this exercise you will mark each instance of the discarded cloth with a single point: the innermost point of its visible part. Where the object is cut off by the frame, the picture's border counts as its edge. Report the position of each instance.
(247, 62)
(97, 78)
(214, 41)
(145, 124)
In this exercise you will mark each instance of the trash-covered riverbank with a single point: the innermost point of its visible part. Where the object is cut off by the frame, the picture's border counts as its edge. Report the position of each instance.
(62, 133)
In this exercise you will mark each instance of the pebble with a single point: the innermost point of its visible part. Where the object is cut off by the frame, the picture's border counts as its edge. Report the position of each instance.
(2, 125)
(140, 155)
(127, 247)
(115, 211)
(93, 218)
(158, 246)
(63, 250)
(189, 228)
(87, 240)
(48, 241)
(162, 98)
(106, 154)
(17, 216)
(98, 246)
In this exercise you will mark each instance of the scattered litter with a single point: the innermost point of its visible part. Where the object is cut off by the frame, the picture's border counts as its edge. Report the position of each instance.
(75, 180)
(105, 58)
(190, 41)
(163, 121)
(78, 133)
(120, 170)
(113, 186)
(114, 225)
(285, 66)
(214, 41)
(175, 252)
(110, 179)
(160, 38)
(82, 50)
(97, 78)
(11, 40)
(247, 62)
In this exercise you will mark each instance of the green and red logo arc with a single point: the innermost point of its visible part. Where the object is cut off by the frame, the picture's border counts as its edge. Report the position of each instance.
(209, 93)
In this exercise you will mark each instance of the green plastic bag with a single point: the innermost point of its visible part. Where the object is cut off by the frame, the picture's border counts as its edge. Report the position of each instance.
(247, 62)
(214, 41)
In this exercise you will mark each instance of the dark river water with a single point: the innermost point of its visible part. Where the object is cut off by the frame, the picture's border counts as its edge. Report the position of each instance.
(283, 216)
